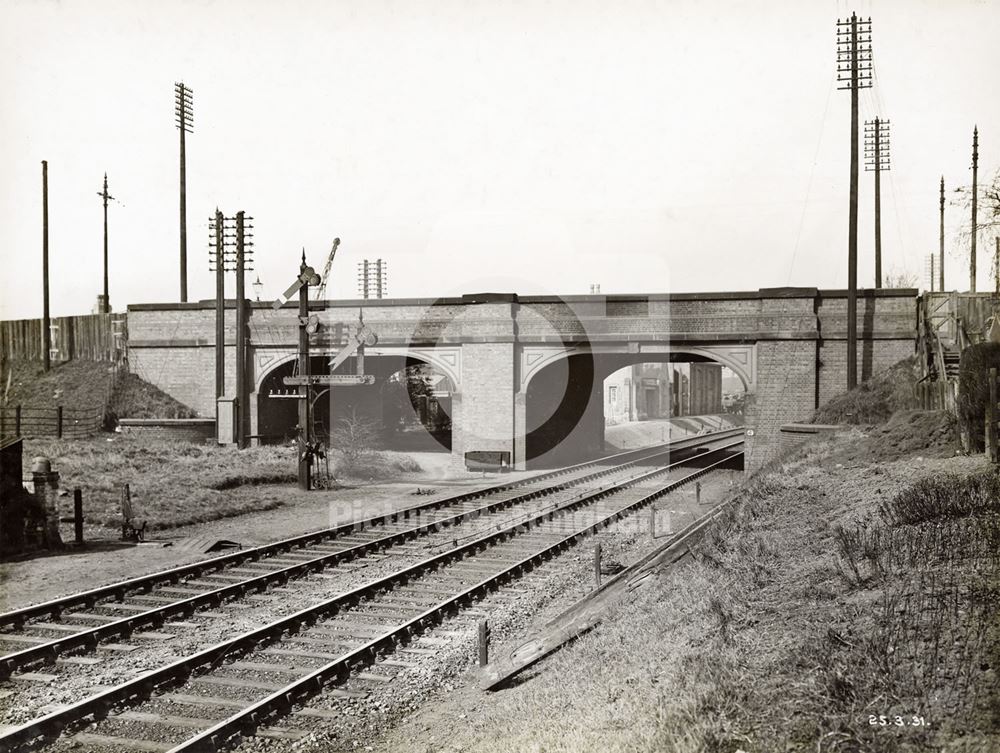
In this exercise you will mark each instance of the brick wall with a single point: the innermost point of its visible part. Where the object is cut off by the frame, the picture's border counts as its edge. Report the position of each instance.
(887, 324)
(485, 418)
(800, 335)
(786, 379)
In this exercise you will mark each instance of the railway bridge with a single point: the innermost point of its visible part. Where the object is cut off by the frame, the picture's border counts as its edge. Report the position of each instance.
(525, 373)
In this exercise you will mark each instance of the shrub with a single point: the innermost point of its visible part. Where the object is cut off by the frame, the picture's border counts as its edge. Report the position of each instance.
(874, 400)
(974, 391)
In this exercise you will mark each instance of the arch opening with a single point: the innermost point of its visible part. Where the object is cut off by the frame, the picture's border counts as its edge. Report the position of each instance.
(587, 405)
(407, 409)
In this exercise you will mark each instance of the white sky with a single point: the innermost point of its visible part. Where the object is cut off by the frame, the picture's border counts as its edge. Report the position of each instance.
(530, 147)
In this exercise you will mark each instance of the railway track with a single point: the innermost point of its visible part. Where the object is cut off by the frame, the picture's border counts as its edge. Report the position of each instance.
(39, 634)
(481, 547)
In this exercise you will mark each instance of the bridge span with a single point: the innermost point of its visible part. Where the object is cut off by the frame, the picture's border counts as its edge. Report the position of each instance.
(525, 373)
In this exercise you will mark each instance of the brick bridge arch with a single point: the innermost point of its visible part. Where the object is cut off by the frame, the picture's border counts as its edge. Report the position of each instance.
(787, 344)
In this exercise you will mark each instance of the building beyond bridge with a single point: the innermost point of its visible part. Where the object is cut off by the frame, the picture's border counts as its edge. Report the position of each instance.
(524, 374)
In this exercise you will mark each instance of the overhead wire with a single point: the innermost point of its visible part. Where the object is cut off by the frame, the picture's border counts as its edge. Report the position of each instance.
(812, 174)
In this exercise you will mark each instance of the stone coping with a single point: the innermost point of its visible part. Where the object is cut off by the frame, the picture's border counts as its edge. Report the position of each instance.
(763, 293)
(809, 428)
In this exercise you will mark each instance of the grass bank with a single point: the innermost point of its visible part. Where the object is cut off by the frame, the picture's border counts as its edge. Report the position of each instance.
(175, 483)
(832, 595)
(874, 400)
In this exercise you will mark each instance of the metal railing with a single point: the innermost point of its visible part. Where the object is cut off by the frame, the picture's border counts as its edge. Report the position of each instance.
(56, 421)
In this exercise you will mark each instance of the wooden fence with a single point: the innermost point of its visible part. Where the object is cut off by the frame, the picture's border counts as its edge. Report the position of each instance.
(937, 395)
(56, 421)
(97, 337)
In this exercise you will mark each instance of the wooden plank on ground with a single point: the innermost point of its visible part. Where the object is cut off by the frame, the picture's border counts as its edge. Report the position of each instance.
(35, 677)
(172, 720)
(153, 635)
(89, 738)
(203, 700)
(86, 616)
(80, 661)
(300, 654)
(319, 714)
(372, 677)
(30, 639)
(236, 682)
(259, 666)
(274, 733)
(590, 610)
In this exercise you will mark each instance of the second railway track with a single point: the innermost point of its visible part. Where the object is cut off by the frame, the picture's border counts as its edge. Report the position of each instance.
(479, 552)
(141, 606)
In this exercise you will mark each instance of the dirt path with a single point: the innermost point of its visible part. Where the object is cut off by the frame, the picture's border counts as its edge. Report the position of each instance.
(104, 561)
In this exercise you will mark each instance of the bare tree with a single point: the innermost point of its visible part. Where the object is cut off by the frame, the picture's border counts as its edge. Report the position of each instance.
(356, 436)
(900, 279)
(987, 215)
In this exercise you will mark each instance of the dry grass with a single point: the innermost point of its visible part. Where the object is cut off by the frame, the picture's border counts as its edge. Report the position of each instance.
(175, 483)
(77, 384)
(772, 640)
(87, 384)
(134, 398)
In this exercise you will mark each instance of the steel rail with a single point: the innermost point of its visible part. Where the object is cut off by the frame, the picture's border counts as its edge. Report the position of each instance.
(141, 688)
(117, 591)
(89, 637)
(278, 703)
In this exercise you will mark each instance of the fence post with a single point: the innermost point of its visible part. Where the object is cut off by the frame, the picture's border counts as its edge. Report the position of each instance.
(59, 421)
(991, 426)
(17, 421)
(484, 643)
(78, 515)
(597, 564)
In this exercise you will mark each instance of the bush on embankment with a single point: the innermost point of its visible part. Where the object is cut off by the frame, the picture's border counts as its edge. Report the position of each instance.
(974, 392)
(874, 400)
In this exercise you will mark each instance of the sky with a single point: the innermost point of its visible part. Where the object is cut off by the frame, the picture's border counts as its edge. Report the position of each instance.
(528, 147)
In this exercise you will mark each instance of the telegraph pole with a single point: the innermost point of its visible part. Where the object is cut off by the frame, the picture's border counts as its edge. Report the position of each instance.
(184, 102)
(941, 249)
(364, 278)
(877, 160)
(46, 332)
(975, 191)
(242, 391)
(218, 255)
(854, 58)
(379, 279)
(372, 275)
(105, 302)
(305, 470)
(996, 267)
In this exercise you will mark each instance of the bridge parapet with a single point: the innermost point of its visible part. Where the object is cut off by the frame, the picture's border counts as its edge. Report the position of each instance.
(787, 344)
